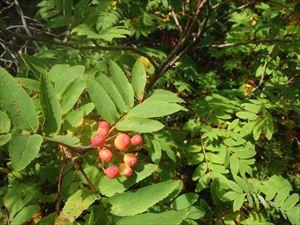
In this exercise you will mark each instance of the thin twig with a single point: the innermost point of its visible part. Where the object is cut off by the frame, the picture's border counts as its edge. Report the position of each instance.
(92, 187)
(262, 77)
(266, 41)
(6, 8)
(61, 172)
(175, 18)
(184, 39)
(19, 10)
(81, 47)
(218, 5)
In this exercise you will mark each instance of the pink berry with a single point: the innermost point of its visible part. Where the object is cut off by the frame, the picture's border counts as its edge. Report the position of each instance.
(137, 139)
(98, 140)
(103, 128)
(130, 159)
(122, 142)
(105, 154)
(125, 170)
(111, 172)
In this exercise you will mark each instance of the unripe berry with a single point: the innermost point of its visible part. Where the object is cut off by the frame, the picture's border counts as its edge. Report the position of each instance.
(137, 139)
(98, 140)
(125, 170)
(130, 159)
(111, 172)
(122, 142)
(103, 128)
(105, 155)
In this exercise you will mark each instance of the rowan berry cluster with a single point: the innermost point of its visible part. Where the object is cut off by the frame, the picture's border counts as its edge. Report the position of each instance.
(115, 148)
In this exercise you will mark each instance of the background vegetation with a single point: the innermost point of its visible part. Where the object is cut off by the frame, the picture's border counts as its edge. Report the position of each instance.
(212, 85)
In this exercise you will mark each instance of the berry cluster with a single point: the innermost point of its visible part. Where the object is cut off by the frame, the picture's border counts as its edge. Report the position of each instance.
(121, 144)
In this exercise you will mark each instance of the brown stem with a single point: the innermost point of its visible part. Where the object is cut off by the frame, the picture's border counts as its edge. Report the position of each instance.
(175, 18)
(92, 187)
(61, 172)
(80, 47)
(184, 39)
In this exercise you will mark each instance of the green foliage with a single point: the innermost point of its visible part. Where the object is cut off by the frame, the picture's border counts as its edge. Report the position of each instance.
(15, 101)
(23, 149)
(129, 203)
(75, 205)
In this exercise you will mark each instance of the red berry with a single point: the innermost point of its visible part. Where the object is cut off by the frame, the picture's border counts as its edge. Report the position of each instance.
(103, 128)
(125, 170)
(111, 172)
(105, 154)
(130, 159)
(137, 139)
(98, 140)
(122, 142)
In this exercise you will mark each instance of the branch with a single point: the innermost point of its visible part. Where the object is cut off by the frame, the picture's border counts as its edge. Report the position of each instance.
(61, 172)
(80, 47)
(175, 18)
(186, 35)
(262, 77)
(19, 10)
(266, 41)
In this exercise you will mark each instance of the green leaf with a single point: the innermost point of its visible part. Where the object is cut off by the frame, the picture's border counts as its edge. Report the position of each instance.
(104, 104)
(258, 128)
(164, 218)
(113, 92)
(281, 196)
(17, 104)
(50, 106)
(165, 96)
(36, 65)
(268, 126)
(75, 205)
(4, 123)
(110, 33)
(121, 82)
(139, 125)
(63, 76)
(28, 83)
(244, 153)
(4, 138)
(138, 201)
(238, 202)
(242, 183)
(138, 80)
(184, 201)
(17, 197)
(67, 139)
(196, 212)
(233, 124)
(153, 108)
(294, 214)
(234, 164)
(254, 108)
(23, 149)
(200, 171)
(49, 219)
(71, 95)
(246, 115)
(105, 34)
(230, 195)
(156, 153)
(25, 214)
(233, 186)
(247, 128)
(290, 202)
(110, 187)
